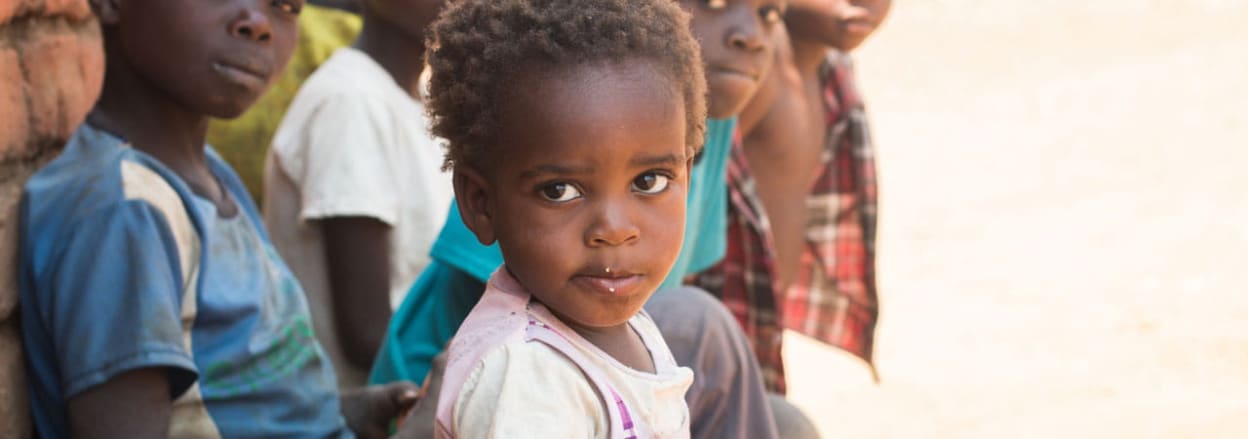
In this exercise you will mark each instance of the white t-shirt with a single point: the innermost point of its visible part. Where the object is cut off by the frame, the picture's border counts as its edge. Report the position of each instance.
(535, 391)
(353, 144)
(516, 385)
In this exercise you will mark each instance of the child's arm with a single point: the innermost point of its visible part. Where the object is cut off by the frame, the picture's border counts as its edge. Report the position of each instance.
(347, 172)
(357, 253)
(134, 404)
(108, 295)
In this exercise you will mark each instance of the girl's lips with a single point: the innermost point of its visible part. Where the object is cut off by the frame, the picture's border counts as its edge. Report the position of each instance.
(612, 286)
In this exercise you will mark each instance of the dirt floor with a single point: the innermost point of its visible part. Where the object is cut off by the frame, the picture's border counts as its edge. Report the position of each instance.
(1064, 225)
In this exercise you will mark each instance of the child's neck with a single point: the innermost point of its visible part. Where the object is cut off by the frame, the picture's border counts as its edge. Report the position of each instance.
(620, 342)
(401, 55)
(808, 56)
(151, 121)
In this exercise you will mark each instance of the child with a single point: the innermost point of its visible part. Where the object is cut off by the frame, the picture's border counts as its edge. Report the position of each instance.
(802, 237)
(152, 302)
(354, 190)
(727, 400)
(581, 175)
(244, 141)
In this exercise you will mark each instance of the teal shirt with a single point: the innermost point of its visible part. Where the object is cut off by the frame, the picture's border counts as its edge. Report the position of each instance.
(453, 282)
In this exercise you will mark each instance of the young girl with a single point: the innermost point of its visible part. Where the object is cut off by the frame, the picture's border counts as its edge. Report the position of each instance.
(571, 130)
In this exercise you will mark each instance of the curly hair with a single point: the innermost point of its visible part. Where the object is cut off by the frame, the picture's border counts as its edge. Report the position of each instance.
(478, 46)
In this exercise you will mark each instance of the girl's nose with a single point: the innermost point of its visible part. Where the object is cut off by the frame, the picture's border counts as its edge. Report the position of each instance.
(613, 227)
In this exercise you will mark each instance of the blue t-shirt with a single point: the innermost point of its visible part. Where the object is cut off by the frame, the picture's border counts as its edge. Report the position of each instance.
(108, 284)
(453, 282)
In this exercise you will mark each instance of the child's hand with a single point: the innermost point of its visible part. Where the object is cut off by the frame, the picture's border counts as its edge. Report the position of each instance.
(370, 410)
(419, 424)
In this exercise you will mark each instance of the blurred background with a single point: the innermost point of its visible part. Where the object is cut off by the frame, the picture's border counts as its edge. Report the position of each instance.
(1064, 225)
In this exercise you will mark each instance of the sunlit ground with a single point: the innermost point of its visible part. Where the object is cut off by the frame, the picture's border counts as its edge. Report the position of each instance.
(1064, 235)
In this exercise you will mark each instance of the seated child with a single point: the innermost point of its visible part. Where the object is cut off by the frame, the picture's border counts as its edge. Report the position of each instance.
(727, 400)
(803, 195)
(244, 141)
(354, 191)
(153, 303)
(572, 128)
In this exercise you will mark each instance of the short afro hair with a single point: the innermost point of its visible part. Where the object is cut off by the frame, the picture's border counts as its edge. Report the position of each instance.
(478, 46)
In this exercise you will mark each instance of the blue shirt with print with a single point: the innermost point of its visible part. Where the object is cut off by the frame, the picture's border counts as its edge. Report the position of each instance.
(102, 288)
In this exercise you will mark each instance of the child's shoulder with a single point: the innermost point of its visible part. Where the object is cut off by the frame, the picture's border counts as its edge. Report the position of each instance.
(348, 75)
(95, 177)
(837, 78)
(95, 170)
(347, 89)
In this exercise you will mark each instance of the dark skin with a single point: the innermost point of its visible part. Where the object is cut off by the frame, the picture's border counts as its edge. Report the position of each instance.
(345, 5)
(735, 41)
(736, 46)
(784, 125)
(587, 197)
(357, 249)
(170, 66)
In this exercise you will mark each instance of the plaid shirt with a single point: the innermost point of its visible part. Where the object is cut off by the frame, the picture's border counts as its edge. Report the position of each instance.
(833, 298)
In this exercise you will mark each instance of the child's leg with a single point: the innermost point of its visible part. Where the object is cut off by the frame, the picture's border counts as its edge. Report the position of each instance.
(727, 399)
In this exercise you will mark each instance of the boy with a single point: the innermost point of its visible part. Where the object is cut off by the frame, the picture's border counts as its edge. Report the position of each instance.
(244, 141)
(354, 190)
(801, 237)
(727, 398)
(153, 304)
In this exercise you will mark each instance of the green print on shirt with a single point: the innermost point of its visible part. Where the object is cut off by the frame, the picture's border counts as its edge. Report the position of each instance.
(288, 353)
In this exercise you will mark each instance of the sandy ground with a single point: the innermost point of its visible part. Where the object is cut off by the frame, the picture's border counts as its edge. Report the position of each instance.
(1064, 235)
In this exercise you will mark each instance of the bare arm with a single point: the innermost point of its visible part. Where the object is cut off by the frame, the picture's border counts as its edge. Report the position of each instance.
(357, 252)
(135, 404)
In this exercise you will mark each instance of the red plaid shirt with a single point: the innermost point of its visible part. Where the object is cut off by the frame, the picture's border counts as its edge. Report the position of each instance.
(833, 298)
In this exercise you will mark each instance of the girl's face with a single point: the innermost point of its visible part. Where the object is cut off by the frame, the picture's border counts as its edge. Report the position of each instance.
(736, 41)
(591, 174)
(841, 24)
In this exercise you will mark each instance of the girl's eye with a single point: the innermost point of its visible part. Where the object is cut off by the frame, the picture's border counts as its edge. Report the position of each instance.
(287, 6)
(771, 14)
(651, 183)
(716, 4)
(560, 192)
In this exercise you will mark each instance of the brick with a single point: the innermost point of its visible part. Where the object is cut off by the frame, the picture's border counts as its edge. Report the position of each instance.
(13, 116)
(17, 8)
(74, 10)
(14, 409)
(64, 69)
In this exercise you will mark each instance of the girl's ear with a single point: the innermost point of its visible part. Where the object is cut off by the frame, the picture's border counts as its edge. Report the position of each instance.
(108, 11)
(475, 206)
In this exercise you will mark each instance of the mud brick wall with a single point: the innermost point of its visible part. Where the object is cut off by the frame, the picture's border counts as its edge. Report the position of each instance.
(51, 68)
